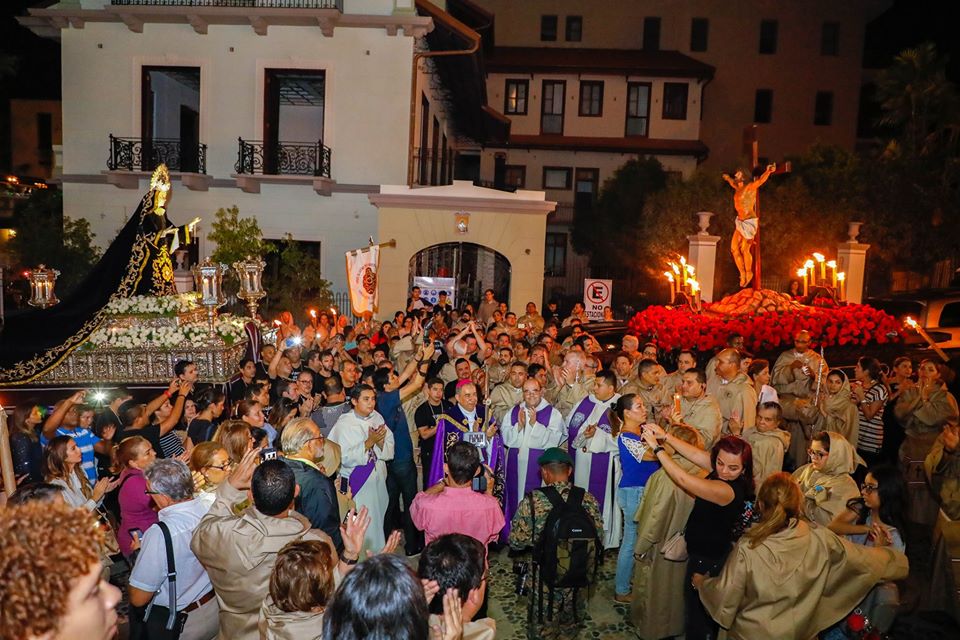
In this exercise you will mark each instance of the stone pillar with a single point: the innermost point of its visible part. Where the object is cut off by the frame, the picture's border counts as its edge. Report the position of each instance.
(852, 260)
(702, 254)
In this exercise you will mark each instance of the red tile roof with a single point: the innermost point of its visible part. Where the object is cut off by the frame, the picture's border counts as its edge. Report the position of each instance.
(598, 61)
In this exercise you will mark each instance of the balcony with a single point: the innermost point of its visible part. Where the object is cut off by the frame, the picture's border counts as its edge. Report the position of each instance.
(283, 163)
(133, 158)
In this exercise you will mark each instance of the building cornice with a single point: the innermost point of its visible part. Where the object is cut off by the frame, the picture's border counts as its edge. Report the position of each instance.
(48, 23)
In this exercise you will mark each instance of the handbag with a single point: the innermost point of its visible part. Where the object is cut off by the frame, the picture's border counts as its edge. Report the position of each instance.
(165, 623)
(675, 548)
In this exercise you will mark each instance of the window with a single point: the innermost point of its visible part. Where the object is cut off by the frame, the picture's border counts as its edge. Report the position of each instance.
(556, 177)
(551, 106)
(674, 100)
(170, 119)
(515, 97)
(763, 106)
(574, 28)
(515, 175)
(638, 108)
(651, 34)
(823, 108)
(555, 255)
(768, 36)
(830, 39)
(699, 30)
(548, 28)
(949, 315)
(591, 98)
(45, 138)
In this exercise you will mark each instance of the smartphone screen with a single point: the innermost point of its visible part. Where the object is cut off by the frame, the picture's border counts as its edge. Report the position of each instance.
(344, 485)
(268, 454)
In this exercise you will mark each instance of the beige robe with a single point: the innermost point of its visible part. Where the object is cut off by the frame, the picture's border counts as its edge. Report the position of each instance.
(796, 391)
(532, 323)
(502, 399)
(238, 552)
(943, 474)
(276, 624)
(657, 607)
(703, 414)
(652, 395)
(827, 492)
(567, 396)
(768, 450)
(735, 397)
(922, 421)
(837, 412)
(795, 583)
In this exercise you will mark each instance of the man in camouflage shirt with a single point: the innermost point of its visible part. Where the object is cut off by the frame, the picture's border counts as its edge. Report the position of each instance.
(556, 468)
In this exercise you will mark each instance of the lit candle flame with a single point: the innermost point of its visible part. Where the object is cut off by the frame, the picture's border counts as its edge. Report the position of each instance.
(333, 311)
(841, 276)
(313, 313)
(694, 286)
(801, 273)
(277, 322)
(669, 275)
(832, 264)
(675, 267)
(690, 269)
(819, 257)
(808, 265)
(911, 322)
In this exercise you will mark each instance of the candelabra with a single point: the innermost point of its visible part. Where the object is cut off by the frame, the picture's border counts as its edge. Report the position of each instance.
(208, 277)
(42, 281)
(250, 274)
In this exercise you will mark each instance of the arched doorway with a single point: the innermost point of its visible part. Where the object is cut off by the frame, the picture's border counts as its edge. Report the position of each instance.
(473, 266)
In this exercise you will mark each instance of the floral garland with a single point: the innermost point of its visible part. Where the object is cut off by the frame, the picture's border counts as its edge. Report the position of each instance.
(229, 328)
(153, 305)
(851, 324)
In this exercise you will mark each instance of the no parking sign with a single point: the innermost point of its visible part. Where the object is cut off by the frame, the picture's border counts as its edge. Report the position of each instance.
(596, 295)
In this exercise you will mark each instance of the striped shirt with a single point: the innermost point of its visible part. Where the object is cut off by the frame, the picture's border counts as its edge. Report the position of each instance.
(870, 439)
(85, 440)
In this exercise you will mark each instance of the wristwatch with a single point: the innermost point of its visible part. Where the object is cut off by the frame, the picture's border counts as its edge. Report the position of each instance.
(658, 449)
(347, 561)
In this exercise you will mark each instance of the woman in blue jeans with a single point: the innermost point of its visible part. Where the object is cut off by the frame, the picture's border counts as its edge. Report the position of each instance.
(638, 464)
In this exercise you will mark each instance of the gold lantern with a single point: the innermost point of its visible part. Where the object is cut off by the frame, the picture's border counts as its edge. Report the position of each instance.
(42, 282)
(250, 274)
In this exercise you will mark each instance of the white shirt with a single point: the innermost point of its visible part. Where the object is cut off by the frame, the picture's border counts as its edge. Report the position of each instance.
(150, 571)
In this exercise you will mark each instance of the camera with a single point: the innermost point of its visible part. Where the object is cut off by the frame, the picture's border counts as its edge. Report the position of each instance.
(268, 454)
(521, 570)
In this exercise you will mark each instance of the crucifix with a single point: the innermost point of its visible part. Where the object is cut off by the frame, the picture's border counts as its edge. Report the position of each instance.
(745, 244)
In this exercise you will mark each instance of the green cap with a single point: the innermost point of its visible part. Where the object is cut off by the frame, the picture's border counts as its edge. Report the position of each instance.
(555, 454)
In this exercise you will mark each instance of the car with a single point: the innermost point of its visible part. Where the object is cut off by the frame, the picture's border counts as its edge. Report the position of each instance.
(936, 311)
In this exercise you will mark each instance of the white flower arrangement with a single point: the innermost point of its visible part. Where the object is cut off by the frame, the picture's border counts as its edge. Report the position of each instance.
(153, 305)
(229, 328)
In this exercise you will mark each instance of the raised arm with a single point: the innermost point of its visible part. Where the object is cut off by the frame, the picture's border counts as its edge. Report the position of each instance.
(424, 354)
(765, 176)
(174, 418)
(55, 419)
(694, 454)
(729, 181)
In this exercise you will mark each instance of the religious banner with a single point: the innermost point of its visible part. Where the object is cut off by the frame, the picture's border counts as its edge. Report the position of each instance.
(597, 294)
(362, 271)
(430, 288)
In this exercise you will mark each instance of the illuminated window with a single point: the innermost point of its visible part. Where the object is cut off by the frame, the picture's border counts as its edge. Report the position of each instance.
(515, 97)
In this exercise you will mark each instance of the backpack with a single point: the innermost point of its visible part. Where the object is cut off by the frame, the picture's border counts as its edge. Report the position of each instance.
(569, 551)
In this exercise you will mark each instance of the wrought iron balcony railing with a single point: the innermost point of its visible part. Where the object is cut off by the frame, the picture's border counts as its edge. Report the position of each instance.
(284, 158)
(144, 154)
(241, 4)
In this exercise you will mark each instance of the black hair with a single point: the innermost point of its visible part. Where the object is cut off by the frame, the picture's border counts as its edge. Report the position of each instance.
(608, 376)
(454, 561)
(534, 369)
(432, 381)
(622, 403)
(646, 365)
(701, 376)
(463, 461)
(775, 406)
(381, 598)
(254, 389)
(273, 487)
(181, 366)
(357, 389)
(459, 360)
(313, 353)
(35, 492)
(871, 366)
(380, 378)
(243, 363)
(259, 436)
(207, 397)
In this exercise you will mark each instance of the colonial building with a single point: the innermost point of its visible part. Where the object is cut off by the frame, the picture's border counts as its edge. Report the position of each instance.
(296, 111)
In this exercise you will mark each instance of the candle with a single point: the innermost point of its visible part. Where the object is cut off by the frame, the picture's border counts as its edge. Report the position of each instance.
(819, 257)
(910, 322)
(673, 293)
(695, 290)
(802, 273)
(841, 278)
(833, 273)
(808, 265)
(313, 313)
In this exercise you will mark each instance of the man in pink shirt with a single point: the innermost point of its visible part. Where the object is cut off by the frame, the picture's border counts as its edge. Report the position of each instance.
(452, 505)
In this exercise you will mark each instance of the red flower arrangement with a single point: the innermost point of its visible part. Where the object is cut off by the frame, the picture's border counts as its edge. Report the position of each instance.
(851, 324)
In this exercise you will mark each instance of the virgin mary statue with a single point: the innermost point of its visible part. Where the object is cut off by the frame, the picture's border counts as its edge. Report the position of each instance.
(137, 263)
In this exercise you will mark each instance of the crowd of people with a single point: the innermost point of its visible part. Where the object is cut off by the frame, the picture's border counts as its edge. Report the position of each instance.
(352, 479)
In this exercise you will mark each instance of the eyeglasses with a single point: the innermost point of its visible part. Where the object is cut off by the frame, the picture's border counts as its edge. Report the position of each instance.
(816, 453)
(868, 488)
(222, 467)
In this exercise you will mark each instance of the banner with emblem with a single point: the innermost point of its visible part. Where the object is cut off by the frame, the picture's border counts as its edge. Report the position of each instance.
(362, 273)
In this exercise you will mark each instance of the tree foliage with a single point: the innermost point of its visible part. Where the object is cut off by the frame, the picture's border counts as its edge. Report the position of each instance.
(45, 236)
(298, 284)
(237, 237)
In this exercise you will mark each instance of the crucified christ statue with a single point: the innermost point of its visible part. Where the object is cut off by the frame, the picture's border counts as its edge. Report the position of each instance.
(747, 222)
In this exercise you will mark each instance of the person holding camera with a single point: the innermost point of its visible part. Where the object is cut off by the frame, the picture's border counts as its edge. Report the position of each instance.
(462, 502)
